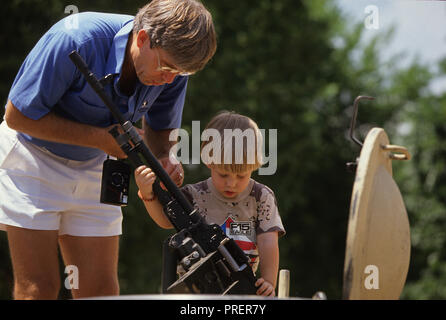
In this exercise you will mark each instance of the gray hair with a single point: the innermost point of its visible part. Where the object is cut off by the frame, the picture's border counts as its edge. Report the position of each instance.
(183, 28)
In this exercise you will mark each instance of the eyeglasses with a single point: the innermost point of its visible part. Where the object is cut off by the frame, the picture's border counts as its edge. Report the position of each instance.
(169, 69)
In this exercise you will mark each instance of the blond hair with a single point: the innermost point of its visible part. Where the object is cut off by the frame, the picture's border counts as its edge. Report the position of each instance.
(247, 157)
(183, 28)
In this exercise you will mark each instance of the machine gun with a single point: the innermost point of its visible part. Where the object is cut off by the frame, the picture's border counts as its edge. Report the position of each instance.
(213, 263)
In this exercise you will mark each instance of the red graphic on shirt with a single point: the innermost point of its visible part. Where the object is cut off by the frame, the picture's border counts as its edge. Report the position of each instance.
(239, 232)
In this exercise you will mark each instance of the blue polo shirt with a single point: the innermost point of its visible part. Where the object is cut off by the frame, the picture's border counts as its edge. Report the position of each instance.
(49, 81)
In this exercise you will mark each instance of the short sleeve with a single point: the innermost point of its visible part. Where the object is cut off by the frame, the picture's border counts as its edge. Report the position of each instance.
(268, 216)
(45, 75)
(167, 110)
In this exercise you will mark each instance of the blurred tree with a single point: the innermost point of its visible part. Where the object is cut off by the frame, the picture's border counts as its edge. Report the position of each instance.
(423, 182)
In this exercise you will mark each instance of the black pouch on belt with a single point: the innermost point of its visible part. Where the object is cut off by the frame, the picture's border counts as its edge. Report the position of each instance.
(115, 182)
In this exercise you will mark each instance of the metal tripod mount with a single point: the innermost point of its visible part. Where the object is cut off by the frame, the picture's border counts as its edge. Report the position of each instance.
(214, 263)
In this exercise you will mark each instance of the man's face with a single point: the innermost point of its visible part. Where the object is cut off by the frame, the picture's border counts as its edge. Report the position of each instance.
(148, 62)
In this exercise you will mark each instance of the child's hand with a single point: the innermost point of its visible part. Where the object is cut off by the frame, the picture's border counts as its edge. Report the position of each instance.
(265, 288)
(144, 178)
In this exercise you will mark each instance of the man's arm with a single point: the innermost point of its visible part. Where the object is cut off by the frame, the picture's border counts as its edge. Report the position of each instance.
(161, 147)
(158, 141)
(57, 129)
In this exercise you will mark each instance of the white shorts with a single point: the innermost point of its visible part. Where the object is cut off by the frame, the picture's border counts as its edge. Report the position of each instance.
(42, 191)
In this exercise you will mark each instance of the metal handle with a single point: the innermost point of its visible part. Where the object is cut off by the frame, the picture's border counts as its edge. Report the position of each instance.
(355, 114)
(397, 152)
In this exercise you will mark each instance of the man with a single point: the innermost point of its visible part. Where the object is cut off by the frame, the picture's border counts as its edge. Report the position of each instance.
(54, 137)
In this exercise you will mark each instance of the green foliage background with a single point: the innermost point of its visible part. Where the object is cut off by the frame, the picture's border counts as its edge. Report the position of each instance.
(295, 66)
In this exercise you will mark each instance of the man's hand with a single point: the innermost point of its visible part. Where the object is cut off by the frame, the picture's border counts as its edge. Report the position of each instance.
(161, 143)
(111, 147)
(174, 170)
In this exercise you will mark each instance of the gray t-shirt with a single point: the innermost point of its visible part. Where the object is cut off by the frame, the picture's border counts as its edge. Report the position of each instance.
(252, 212)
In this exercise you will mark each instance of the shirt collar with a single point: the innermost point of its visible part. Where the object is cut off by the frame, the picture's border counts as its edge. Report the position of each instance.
(117, 51)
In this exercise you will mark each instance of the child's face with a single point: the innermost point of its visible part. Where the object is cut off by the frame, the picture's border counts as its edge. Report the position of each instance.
(229, 184)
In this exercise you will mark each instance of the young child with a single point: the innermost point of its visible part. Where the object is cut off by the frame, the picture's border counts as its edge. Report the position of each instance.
(245, 209)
